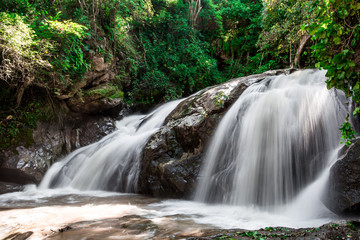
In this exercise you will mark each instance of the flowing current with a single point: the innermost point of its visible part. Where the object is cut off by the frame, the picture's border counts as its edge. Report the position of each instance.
(114, 162)
(266, 165)
(276, 139)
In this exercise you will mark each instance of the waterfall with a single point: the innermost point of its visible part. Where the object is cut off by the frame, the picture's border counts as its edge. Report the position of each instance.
(113, 163)
(274, 141)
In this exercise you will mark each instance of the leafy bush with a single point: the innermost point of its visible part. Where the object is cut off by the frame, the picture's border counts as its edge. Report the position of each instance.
(175, 60)
(337, 49)
(19, 6)
(67, 54)
(282, 32)
(22, 54)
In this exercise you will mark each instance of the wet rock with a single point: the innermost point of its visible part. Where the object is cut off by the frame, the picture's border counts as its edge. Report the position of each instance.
(25, 165)
(95, 93)
(16, 176)
(65, 229)
(8, 187)
(172, 156)
(99, 64)
(342, 195)
(19, 236)
(339, 230)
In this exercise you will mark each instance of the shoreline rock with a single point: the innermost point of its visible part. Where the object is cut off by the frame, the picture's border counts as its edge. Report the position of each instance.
(342, 194)
(51, 142)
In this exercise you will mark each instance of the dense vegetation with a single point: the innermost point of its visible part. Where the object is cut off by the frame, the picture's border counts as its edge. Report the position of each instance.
(164, 49)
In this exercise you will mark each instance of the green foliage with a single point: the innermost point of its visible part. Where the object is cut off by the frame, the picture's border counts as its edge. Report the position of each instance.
(337, 49)
(16, 125)
(22, 53)
(67, 54)
(338, 38)
(107, 92)
(282, 31)
(19, 6)
(353, 226)
(347, 133)
(241, 23)
(32, 49)
(237, 45)
(158, 51)
(175, 61)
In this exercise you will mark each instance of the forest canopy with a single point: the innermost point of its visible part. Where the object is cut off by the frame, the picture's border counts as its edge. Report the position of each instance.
(167, 49)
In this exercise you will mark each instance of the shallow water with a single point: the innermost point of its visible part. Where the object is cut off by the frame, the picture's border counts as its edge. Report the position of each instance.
(108, 215)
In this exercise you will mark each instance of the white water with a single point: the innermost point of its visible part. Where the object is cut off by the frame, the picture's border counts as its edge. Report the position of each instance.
(274, 141)
(113, 163)
(94, 213)
(266, 166)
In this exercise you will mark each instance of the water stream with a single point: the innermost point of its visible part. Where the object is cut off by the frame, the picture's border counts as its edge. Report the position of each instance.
(113, 163)
(266, 165)
(278, 137)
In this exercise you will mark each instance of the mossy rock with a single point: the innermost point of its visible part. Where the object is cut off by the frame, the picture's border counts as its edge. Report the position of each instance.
(95, 100)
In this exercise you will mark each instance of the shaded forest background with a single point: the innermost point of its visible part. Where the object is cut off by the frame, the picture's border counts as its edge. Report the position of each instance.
(163, 49)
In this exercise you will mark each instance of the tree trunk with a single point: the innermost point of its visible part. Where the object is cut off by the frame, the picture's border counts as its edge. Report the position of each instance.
(291, 62)
(21, 90)
(194, 11)
(262, 57)
(303, 40)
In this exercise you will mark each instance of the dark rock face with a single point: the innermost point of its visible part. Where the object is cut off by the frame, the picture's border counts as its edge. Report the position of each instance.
(94, 101)
(95, 93)
(172, 156)
(342, 195)
(19, 236)
(51, 141)
(79, 124)
(8, 187)
(15, 176)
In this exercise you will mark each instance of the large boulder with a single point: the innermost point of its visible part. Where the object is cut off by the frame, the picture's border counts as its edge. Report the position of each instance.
(342, 195)
(172, 157)
(51, 141)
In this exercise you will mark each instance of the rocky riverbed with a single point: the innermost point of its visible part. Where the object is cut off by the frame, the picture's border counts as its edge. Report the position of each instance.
(137, 227)
(337, 230)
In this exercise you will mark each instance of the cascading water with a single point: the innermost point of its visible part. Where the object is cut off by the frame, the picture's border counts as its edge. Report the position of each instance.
(276, 139)
(268, 149)
(112, 163)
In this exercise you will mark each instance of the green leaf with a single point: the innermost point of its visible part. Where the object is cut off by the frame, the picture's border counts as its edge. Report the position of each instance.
(357, 86)
(337, 40)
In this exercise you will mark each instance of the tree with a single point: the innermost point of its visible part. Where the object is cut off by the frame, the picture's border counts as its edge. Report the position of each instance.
(22, 55)
(282, 33)
(235, 47)
(194, 11)
(337, 49)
